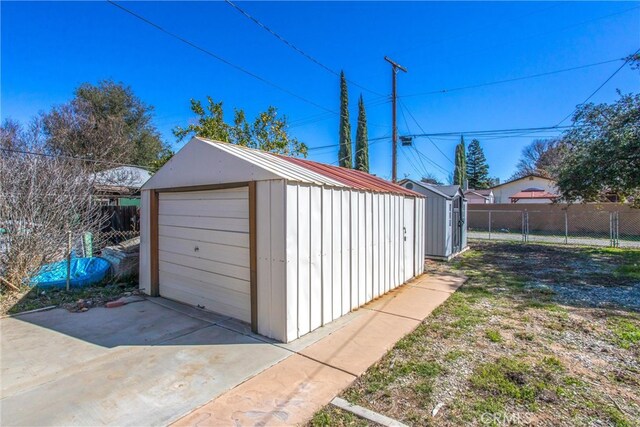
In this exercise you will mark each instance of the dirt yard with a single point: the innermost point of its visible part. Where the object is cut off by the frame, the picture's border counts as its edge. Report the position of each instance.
(538, 335)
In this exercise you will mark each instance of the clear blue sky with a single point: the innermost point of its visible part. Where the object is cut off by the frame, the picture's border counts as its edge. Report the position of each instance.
(49, 48)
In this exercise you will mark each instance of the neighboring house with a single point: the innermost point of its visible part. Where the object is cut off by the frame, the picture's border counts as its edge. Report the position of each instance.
(528, 189)
(284, 244)
(479, 197)
(445, 218)
(120, 186)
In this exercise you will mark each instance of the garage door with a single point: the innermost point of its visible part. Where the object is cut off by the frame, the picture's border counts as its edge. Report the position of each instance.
(203, 242)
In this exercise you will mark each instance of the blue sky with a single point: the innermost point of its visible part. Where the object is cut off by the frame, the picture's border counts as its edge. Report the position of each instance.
(49, 48)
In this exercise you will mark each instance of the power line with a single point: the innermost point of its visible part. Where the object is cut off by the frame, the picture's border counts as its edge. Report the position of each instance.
(219, 58)
(431, 161)
(294, 47)
(600, 87)
(489, 132)
(62, 156)
(402, 104)
(355, 152)
(532, 76)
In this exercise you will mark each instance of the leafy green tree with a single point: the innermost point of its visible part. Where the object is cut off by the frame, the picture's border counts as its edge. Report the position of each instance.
(460, 170)
(362, 139)
(477, 167)
(164, 157)
(105, 122)
(344, 153)
(267, 132)
(602, 152)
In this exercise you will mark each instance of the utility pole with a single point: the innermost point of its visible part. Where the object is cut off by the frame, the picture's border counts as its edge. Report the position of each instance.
(394, 100)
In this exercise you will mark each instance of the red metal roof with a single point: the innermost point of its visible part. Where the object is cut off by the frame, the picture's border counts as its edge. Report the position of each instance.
(532, 193)
(353, 178)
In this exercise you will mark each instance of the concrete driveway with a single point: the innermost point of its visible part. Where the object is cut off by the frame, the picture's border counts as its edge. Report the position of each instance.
(146, 363)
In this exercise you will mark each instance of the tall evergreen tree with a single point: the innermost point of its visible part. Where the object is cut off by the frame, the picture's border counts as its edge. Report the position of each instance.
(362, 139)
(344, 154)
(477, 167)
(460, 171)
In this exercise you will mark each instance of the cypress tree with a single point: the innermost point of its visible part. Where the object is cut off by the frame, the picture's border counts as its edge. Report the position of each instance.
(362, 139)
(477, 167)
(344, 154)
(460, 171)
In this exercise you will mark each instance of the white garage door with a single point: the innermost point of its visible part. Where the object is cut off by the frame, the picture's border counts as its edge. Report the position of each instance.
(204, 250)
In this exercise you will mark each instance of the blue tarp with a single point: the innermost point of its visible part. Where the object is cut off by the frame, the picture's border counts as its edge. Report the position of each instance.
(84, 272)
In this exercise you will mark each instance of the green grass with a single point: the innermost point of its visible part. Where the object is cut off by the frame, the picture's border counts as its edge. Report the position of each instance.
(508, 378)
(493, 335)
(533, 372)
(625, 331)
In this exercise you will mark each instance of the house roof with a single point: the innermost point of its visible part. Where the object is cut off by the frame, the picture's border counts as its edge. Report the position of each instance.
(205, 162)
(478, 193)
(446, 191)
(533, 193)
(122, 176)
(524, 177)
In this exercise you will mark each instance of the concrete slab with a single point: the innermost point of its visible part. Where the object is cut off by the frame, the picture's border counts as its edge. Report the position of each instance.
(289, 393)
(139, 364)
(409, 301)
(362, 342)
(147, 385)
(443, 283)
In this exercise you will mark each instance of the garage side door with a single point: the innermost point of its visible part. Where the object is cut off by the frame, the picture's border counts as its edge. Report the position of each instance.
(203, 242)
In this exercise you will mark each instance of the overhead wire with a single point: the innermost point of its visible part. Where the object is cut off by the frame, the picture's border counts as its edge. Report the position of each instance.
(515, 79)
(219, 58)
(628, 59)
(294, 47)
(402, 105)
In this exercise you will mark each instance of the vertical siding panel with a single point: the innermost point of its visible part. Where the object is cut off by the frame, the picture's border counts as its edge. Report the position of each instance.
(304, 265)
(145, 243)
(362, 250)
(354, 247)
(381, 243)
(278, 260)
(369, 246)
(403, 243)
(336, 303)
(387, 241)
(316, 257)
(292, 262)
(327, 257)
(375, 220)
(346, 252)
(396, 252)
(263, 241)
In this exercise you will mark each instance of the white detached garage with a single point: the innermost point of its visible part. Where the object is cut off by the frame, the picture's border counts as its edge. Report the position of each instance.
(282, 243)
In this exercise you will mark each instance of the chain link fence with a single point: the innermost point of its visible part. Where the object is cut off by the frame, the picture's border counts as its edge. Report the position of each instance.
(588, 227)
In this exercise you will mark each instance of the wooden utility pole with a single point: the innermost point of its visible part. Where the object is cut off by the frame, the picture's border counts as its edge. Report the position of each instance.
(394, 100)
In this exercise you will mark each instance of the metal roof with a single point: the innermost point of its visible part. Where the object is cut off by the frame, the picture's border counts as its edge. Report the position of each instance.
(446, 191)
(302, 170)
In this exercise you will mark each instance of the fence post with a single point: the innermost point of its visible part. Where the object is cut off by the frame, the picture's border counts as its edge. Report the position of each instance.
(525, 226)
(611, 243)
(566, 228)
(489, 225)
(617, 229)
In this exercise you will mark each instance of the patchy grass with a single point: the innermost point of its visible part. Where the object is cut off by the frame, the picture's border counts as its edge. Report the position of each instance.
(493, 335)
(35, 298)
(626, 331)
(525, 341)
